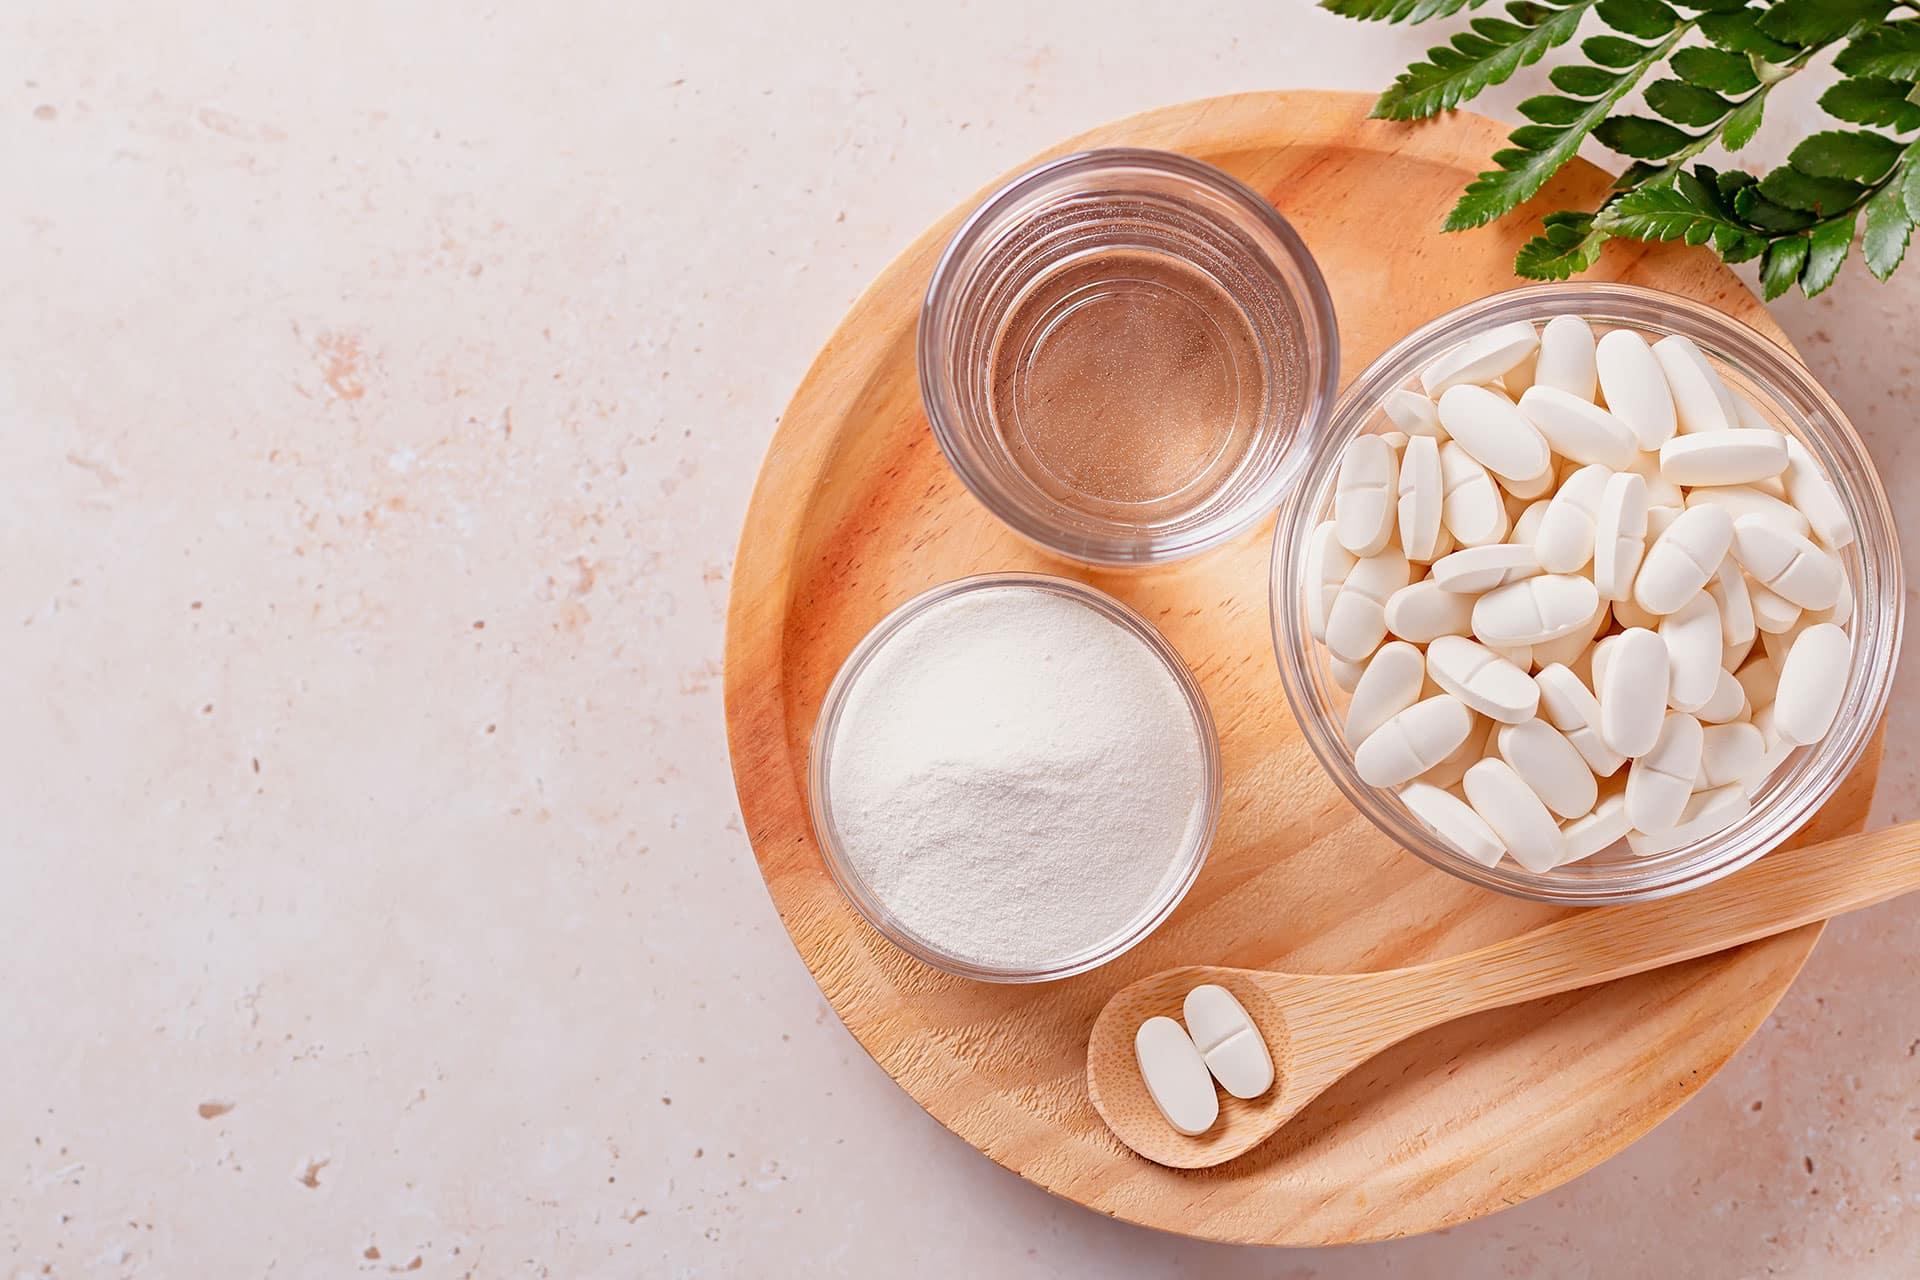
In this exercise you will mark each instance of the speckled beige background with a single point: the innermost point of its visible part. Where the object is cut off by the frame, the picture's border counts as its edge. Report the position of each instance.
(381, 384)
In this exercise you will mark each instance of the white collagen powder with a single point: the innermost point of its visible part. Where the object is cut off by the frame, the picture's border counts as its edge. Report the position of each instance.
(1016, 776)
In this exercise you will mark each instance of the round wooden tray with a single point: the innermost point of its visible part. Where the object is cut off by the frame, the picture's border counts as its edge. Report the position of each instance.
(855, 511)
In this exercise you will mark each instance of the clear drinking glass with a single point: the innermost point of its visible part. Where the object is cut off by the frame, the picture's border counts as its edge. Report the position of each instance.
(1125, 355)
(1782, 389)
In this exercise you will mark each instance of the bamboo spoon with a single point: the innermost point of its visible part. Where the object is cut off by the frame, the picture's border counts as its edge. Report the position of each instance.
(1318, 1027)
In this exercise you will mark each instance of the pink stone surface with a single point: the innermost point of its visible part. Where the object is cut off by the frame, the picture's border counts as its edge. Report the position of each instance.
(382, 388)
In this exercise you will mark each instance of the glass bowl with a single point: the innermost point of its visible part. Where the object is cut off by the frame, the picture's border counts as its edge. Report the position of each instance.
(1782, 389)
(1182, 870)
(1092, 301)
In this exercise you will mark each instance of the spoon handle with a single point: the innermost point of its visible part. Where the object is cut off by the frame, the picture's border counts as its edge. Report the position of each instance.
(1780, 892)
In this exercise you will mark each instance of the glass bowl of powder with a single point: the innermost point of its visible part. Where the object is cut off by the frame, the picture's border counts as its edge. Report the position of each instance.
(1014, 778)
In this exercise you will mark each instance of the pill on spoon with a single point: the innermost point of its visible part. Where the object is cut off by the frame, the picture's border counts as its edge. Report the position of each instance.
(1787, 564)
(1566, 360)
(1473, 509)
(1701, 401)
(1413, 741)
(1364, 494)
(1231, 1046)
(1482, 679)
(1660, 780)
(1577, 428)
(1495, 434)
(1635, 388)
(1736, 456)
(1454, 821)
(1683, 558)
(1633, 692)
(1176, 1076)
(1388, 685)
(1481, 358)
(1509, 806)
(1552, 766)
(1812, 681)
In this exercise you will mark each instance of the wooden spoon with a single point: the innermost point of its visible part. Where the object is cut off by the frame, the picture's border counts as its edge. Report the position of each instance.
(1319, 1027)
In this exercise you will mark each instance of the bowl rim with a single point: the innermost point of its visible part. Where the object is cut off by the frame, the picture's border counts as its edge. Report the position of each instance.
(1801, 785)
(1312, 299)
(1183, 870)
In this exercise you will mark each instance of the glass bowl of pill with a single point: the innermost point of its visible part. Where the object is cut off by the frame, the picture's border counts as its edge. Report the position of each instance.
(1589, 594)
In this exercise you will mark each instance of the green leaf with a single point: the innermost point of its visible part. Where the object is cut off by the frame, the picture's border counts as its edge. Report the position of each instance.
(1581, 80)
(1796, 190)
(1808, 22)
(1715, 69)
(1910, 191)
(1846, 153)
(1827, 248)
(1641, 137)
(1669, 213)
(1782, 265)
(1397, 10)
(1743, 123)
(1472, 60)
(1685, 103)
(1873, 100)
(1523, 170)
(1739, 32)
(1728, 183)
(1548, 108)
(1647, 19)
(1889, 226)
(1568, 243)
(1764, 214)
(1891, 50)
(1612, 51)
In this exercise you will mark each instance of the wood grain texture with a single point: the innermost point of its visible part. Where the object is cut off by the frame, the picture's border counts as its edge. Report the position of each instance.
(1320, 1026)
(855, 511)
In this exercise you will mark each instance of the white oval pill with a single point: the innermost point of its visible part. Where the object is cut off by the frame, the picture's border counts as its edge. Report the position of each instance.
(1534, 609)
(1773, 614)
(1451, 819)
(1481, 358)
(1328, 564)
(1728, 753)
(1176, 1076)
(1577, 428)
(1424, 611)
(1363, 496)
(1691, 634)
(1597, 659)
(1508, 805)
(1473, 509)
(1728, 703)
(1396, 440)
(1482, 679)
(1390, 684)
(1661, 492)
(1704, 814)
(1787, 564)
(1228, 1041)
(1413, 413)
(1550, 764)
(1605, 826)
(1635, 388)
(1728, 591)
(1701, 401)
(1566, 357)
(1565, 541)
(1780, 643)
(1357, 622)
(1778, 753)
(1422, 497)
(1745, 500)
(1473, 570)
(1569, 706)
(1567, 649)
(1679, 563)
(1733, 457)
(1449, 771)
(1495, 434)
(1633, 691)
(1813, 495)
(1812, 681)
(1516, 380)
(1527, 490)
(1526, 526)
(1619, 534)
(1345, 674)
(1414, 741)
(1660, 780)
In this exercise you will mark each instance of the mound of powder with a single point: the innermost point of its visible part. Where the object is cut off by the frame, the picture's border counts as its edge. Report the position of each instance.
(1016, 776)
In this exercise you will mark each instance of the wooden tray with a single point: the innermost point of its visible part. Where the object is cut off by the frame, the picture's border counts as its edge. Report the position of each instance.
(855, 511)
